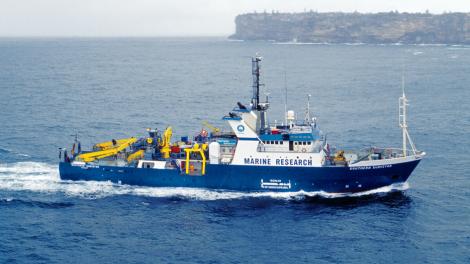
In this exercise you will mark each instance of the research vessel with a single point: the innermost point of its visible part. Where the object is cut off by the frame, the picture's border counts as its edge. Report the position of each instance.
(253, 156)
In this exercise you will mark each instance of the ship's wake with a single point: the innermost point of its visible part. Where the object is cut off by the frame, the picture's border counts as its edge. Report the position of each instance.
(44, 178)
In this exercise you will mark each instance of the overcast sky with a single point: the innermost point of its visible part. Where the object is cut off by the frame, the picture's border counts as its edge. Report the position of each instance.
(174, 17)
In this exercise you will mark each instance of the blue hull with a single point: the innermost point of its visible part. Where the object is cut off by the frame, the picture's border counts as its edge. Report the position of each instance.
(250, 178)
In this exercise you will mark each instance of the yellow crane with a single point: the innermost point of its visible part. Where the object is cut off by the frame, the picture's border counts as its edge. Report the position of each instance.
(92, 156)
(211, 127)
(136, 155)
(110, 144)
(166, 142)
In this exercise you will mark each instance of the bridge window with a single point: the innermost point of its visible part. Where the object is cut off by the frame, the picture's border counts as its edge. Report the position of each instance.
(148, 165)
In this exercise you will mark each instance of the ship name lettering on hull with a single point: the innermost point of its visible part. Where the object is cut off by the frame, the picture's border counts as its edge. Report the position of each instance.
(281, 162)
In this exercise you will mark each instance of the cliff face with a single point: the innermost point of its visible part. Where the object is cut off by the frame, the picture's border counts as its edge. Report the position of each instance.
(393, 27)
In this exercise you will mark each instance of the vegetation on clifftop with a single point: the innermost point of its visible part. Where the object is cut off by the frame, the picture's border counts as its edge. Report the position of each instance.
(391, 27)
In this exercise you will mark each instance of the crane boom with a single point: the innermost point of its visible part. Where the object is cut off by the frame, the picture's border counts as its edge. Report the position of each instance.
(109, 144)
(96, 155)
(211, 127)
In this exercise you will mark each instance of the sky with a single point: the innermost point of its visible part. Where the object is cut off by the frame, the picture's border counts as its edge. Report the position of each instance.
(102, 18)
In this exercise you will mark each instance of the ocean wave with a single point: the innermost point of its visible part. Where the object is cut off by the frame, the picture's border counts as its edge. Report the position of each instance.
(4, 150)
(43, 177)
(12, 152)
(304, 43)
(33, 203)
(321, 43)
(459, 48)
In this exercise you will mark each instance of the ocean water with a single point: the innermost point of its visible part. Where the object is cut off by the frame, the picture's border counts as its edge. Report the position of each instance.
(51, 89)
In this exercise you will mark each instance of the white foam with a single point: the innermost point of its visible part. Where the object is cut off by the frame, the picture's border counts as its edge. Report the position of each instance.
(42, 177)
(385, 189)
(8, 199)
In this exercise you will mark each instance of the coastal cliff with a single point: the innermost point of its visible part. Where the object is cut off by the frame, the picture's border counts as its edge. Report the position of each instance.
(391, 27)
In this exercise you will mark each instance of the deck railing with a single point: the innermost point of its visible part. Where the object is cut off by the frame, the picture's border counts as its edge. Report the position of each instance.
(384, 153)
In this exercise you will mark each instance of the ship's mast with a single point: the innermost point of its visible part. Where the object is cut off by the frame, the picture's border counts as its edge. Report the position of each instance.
(285, 97)
(402, 104)
(255, 67)
(260, 107)
(308, 120)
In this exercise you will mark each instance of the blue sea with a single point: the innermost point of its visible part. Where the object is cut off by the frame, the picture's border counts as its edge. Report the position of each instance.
(104, 88)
